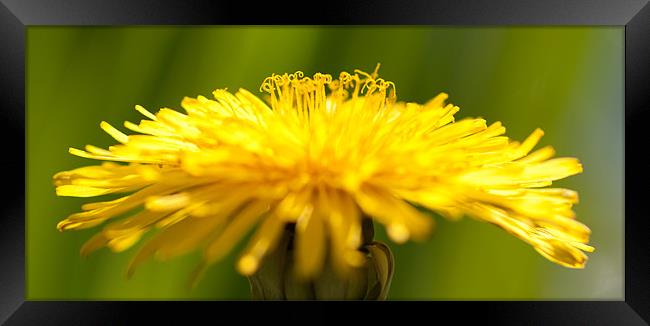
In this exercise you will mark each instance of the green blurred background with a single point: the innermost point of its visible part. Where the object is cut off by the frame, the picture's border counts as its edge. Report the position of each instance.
(566, 80)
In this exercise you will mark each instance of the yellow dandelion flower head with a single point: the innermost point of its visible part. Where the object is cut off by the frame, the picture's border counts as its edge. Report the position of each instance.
(320, 154)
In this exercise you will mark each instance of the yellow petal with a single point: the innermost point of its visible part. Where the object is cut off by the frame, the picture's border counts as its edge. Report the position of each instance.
(118, 135)
(309, 244)
(233, 232)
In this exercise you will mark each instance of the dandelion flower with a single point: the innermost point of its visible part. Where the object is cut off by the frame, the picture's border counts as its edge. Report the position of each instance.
(321, 154)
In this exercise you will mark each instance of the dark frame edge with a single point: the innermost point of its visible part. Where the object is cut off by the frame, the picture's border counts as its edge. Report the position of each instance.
(12, 115)
(13, 308)
(637, 90)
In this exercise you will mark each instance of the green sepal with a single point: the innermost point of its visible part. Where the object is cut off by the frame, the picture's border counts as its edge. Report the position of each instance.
(275, 280)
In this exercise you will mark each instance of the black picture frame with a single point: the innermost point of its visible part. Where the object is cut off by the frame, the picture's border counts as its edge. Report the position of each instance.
(17, 15)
